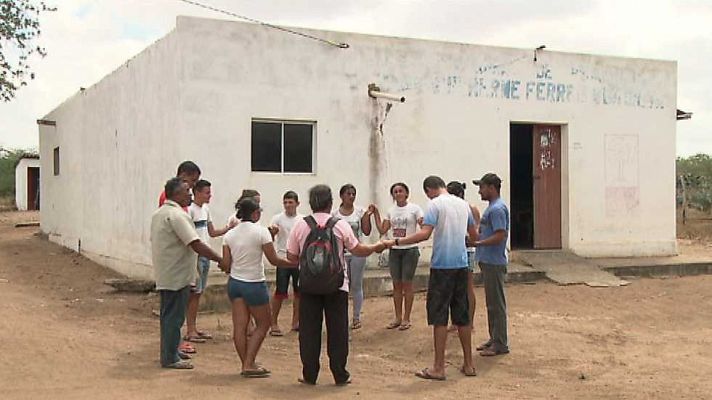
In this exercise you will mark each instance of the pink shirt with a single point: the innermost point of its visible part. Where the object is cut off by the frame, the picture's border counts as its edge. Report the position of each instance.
(344, 235)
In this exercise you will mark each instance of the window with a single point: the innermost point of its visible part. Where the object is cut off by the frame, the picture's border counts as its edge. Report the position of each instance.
(282, 146)
(56, 161)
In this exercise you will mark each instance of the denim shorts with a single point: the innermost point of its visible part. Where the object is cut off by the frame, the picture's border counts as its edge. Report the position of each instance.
(471, 260)
(253, 293)
(201, 282)
(402, 263)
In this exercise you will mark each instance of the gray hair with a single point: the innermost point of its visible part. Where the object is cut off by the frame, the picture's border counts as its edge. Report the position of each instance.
(320, 198)
(172, 187)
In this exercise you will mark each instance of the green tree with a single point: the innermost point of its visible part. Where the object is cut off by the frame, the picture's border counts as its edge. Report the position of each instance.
(19, 30)
(696, 171)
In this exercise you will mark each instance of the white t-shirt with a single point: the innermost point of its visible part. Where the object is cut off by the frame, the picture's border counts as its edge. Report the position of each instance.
(404, 222)
(354, 220)
(201, 218)
(285, 224)
(245, 242)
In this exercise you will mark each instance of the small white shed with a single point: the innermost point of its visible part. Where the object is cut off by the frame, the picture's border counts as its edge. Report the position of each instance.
(27, 183)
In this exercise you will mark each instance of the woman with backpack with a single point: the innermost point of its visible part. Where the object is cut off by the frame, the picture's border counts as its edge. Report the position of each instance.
(402, 220)
(360, 221)
(318, 242)
(243, 247)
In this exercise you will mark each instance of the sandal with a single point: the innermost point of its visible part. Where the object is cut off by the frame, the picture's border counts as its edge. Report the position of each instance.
(404, 326)
(393, 325)
(492, 351)
(484, 346)
(256, 373)
(276, 332)
(425, 374)
(471, 373)
(356, 324)
(194, 339)
(187, 348)
(179, 365)
(204, 335)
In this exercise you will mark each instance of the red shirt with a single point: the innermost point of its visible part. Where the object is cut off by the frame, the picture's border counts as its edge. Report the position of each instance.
(162, 199)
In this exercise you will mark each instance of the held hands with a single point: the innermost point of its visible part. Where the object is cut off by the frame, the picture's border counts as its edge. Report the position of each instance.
(389, 243)
(379, 247)
(273, 229)
(232, 224)
(372, 209)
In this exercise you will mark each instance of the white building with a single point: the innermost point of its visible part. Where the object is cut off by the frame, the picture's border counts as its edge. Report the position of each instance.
(27, 183)
(585, 144)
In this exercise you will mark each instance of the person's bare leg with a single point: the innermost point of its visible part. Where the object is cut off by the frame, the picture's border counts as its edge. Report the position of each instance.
(276, 306)
(240, 316)
(398, 301)
(465, 334)
(295, 313)
(262, 321)
(408, 297)
(439, 343)
(471, 300)
(191, 320)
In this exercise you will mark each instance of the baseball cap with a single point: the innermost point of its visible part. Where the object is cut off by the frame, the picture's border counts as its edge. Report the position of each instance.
(489, 179)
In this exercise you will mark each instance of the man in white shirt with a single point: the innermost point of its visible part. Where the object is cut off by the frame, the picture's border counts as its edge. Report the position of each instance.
(200, 214)
(281, 226)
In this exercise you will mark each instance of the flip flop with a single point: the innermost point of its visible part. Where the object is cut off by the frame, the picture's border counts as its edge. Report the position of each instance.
(491, 352)
(187, 348)
(404, 326)
(184, 356)
(194, 339)
(393, 325)
(256, 373)
(205, 335)
(179, 365)
(473, 373)
(425, 374)
(484, 345)
(356, 325)
(276, 332)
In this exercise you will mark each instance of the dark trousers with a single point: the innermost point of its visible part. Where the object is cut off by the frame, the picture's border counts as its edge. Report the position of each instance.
(311, 310)
(173, 307)
(493, 277)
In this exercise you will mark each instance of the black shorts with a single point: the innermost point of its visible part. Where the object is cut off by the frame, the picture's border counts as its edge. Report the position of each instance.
(282, 285)
(447, 291)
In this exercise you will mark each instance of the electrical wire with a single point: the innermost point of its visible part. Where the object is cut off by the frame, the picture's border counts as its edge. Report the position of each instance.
(232, 14)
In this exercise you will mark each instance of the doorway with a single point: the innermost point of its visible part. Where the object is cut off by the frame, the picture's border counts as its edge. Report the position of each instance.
(535, 186)
(33, 188)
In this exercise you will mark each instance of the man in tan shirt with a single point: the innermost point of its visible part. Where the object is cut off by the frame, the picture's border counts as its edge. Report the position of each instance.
(174, 244)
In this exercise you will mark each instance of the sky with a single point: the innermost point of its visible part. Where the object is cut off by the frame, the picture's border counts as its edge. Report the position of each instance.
(88, 39)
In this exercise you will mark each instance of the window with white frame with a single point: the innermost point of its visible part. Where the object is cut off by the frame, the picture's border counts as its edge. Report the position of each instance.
(282, 146)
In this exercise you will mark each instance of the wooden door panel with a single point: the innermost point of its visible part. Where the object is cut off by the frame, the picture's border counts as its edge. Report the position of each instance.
(547, 186)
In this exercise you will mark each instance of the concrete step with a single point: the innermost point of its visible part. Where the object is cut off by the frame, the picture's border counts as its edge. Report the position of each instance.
(376, 282)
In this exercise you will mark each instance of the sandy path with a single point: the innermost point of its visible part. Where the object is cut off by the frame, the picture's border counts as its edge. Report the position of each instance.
(68, 337)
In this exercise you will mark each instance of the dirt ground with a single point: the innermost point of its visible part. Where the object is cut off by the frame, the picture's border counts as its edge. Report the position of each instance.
(67, 336)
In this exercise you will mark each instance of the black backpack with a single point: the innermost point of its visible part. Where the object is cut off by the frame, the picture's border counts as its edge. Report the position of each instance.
(320, 267)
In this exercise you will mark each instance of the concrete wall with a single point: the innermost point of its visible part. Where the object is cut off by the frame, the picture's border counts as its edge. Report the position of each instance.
(194, 94)
(21, 182)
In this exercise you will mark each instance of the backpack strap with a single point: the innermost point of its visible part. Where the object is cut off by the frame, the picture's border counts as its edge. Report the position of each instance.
(311, 222)
(331, 223)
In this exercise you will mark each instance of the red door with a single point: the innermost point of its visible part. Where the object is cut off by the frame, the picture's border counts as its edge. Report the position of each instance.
(547, 186)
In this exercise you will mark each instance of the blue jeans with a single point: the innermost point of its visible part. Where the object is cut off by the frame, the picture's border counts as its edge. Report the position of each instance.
(173, 307)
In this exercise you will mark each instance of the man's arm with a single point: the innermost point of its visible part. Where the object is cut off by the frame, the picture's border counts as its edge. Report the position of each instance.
(217, 232)
(495, 239)
(365, 250)
(204, 250)
(423, 234)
